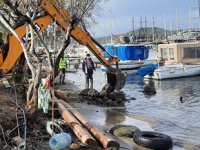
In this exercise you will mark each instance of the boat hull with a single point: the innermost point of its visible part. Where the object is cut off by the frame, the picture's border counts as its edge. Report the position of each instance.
(125, 66)
(167, 72)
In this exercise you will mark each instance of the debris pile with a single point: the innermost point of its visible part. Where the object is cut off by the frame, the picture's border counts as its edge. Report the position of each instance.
(106, 97)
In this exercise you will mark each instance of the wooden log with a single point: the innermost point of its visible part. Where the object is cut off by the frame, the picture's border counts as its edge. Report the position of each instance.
(79, 131)
(107, 142)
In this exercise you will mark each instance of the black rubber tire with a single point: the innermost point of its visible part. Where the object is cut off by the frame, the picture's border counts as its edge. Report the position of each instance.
(152, 140)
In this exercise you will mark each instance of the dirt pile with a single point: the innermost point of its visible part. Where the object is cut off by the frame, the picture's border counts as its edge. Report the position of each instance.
(106, 97)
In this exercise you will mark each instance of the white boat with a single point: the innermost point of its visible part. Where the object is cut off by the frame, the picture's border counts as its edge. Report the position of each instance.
(178, 60)
(174, 71)
(126, 65)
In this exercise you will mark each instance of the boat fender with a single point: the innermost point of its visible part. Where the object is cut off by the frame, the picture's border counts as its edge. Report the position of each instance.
(56, 127)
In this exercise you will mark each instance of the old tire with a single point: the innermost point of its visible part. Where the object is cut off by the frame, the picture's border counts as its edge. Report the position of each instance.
(123, 130)
(152, 140)
(50, 125)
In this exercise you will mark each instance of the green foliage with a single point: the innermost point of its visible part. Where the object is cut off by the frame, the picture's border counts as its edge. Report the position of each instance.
(1, 3)
(4, 32)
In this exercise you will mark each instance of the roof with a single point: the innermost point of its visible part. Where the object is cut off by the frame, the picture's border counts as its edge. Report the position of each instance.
(176, 44)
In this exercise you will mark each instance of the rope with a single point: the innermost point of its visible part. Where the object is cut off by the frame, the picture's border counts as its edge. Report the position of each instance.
(4, 137)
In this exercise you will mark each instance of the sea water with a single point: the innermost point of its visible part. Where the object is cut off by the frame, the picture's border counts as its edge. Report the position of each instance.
(164, 110)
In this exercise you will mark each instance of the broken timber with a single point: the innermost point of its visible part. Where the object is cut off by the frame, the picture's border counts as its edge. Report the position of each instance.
(79, 131)
(107, 142)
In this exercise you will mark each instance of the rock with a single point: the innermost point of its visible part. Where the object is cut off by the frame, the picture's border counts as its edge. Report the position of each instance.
(108, 88)
(117, 94)
(149, 90)
(89, 103)
(119, 100)
(84, 92)
(105, 98)
(109, 101)
(93, 93)
(123, 130)
(103, 93)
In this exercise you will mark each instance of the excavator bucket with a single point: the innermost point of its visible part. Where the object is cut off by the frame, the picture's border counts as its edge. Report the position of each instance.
(116, 79)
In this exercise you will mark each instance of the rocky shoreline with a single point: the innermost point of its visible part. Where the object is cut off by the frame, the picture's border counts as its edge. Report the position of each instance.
(37, 136)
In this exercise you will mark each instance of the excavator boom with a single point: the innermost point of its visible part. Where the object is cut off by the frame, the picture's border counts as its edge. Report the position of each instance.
(8, 58)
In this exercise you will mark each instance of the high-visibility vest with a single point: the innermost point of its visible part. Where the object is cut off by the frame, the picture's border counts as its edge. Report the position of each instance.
(62, 63)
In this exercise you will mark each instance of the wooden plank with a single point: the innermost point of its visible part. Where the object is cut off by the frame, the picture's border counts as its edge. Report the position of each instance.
(6, 83)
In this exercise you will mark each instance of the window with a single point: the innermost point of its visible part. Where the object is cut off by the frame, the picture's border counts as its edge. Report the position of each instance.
(191, 52)
(164, 53)
(171, 53)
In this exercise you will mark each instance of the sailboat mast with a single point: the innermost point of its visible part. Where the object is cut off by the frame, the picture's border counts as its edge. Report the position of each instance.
(111, 35)
(153, 36)
(177, 21)
(199, 7)
(165, 27)
(189, 19)
(133, 29)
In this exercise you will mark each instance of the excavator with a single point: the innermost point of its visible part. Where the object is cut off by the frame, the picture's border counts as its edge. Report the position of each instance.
(9, 56)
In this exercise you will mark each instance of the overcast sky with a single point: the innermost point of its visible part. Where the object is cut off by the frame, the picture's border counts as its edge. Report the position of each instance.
(116, 15)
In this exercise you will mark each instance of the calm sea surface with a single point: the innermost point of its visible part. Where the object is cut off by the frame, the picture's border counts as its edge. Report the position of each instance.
(163, 110)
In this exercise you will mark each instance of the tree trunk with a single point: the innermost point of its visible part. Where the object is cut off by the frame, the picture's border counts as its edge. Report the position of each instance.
(82, 134)
(107, 142)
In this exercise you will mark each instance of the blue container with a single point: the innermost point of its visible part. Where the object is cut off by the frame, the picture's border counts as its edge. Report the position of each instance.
(60, 141)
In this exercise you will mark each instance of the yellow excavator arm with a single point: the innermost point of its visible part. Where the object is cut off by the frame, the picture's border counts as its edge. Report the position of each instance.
(9, 57)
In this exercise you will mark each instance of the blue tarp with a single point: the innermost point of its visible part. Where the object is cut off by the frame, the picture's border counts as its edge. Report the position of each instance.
(149, 69)
(127, 52)
(110, 49)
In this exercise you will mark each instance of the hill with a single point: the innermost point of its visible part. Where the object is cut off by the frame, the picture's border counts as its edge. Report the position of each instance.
(142, 34)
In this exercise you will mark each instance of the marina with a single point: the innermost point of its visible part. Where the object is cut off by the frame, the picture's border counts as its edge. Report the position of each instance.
(99, 75)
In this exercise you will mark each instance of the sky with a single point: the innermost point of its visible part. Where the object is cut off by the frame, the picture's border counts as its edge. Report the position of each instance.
(116, 16)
